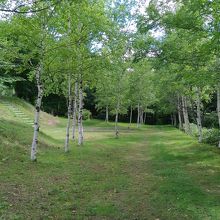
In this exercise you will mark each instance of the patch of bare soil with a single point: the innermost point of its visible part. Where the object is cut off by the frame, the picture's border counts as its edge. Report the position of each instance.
(52, 122)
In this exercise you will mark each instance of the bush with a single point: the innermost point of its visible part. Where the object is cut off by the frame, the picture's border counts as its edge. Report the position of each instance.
(86, 114)
(210, 120)
(194, 130)
(211, 136)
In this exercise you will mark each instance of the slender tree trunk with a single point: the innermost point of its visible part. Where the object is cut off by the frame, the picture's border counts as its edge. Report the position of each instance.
(106, 114)
(171, 118)
(80, 125)
(138, 116)
(141, 115)
(218, 105)
(74, 110)
(179, 114)
(198, 112)
(187, 128)
(37, 113)
(116, 125)
(174, 120)
(66, 147)
(130, 117)
(145, 116)
(116, 121)
(40, 91)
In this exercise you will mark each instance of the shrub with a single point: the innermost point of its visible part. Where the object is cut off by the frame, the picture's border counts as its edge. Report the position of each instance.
(210, 120)
(211, 136)
(194, 129)
(86, 114)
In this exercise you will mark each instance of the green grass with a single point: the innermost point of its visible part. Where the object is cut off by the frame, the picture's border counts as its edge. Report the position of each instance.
(155, 172)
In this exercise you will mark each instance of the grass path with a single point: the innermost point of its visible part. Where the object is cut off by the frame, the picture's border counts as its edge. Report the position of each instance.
(153, 173)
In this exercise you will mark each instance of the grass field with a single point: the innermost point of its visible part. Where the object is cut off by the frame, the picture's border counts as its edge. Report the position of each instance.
(155, 172)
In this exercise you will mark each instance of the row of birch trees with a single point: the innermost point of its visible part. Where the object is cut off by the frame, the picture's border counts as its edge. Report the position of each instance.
(67, 46)
(181, 38)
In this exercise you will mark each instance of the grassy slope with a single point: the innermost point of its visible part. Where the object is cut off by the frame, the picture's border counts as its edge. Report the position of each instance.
(151, 173)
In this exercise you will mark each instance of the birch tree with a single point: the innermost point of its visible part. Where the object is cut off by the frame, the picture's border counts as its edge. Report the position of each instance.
(84, 17)
(35, 37)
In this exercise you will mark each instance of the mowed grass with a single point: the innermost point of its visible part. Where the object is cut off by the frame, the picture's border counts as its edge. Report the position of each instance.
(155, 172)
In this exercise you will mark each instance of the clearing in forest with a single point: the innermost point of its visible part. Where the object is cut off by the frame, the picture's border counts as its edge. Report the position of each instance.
(155, 172)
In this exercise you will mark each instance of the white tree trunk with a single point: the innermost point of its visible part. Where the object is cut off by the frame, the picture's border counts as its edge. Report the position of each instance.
(171, 118)
(174, 120)
(145, 116)
(179, 114)
(116, 125)
(138, 116)
(37, 114)
(218, 105)
(74, 110)
(187, 128)
(66, 147)
(130, 118)
(106, 114)
(141, 115)
(80, 115)
(198, 112)
(116, 121)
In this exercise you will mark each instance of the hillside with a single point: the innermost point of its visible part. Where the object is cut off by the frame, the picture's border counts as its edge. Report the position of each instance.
(15, 109)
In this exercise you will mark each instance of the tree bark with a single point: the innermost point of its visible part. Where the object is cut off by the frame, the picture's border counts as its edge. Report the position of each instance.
(80, 114)
(198, 112)
(218, 106)
(145, 116)
(130, 117)
(40, 91)
(106, 114)
(141, 115)
(138, 116)
(116, 121)
(187, 128)
(37, 113)
(179, 114)
(171, 118)
(74, 110)
(174, 120)
(66, 147)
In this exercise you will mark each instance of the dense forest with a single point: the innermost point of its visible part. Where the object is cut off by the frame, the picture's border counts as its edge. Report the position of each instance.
(133, 62)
